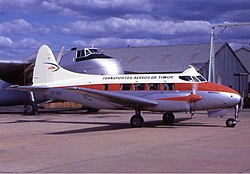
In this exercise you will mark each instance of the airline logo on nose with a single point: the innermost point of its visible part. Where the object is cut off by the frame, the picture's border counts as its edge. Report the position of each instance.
(52, 67)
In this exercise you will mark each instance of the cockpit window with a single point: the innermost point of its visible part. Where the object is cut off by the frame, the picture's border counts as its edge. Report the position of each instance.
(186, 78)
(201, 78)
(195, 79)
(95, 51)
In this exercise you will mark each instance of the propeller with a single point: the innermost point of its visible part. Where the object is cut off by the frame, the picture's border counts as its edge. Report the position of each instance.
(59, 56)
(192, 98)
(242, 101)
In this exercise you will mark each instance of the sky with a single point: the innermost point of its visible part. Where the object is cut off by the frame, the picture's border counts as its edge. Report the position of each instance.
(27, 24)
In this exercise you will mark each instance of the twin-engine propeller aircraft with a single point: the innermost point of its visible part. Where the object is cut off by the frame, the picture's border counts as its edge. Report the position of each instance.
(183, 92)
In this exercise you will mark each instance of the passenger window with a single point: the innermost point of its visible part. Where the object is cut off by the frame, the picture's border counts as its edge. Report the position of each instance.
(154, 86)
(168, 86)
(139, 86)
(105, 87)
(126, 87)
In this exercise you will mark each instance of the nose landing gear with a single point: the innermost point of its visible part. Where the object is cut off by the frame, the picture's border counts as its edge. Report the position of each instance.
(231, 122)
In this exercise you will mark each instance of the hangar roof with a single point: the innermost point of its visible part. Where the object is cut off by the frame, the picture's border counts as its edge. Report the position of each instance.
(171, 58)
(244, 55)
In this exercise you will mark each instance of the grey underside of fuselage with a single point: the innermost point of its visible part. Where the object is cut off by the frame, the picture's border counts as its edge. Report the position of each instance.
(209, 100)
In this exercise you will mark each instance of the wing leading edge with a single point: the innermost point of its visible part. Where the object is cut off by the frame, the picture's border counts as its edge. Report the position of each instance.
(117, 98)
(105, 96)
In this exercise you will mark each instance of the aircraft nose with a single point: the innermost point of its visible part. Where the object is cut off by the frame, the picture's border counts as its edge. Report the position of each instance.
(235, 98)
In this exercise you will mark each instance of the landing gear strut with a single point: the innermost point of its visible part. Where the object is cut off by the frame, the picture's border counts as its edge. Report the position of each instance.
(137, 120)
(168, 118)
(231, 122)
(31, 108)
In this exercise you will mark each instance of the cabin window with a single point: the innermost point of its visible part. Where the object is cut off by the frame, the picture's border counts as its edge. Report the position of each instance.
(154, 86)
(168, 86)
(201, 78)
(139, 86)
(105, 87)
(186, 78)
(126, 87)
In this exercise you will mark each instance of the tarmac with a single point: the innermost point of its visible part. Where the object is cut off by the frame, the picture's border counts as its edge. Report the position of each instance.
(75, 141)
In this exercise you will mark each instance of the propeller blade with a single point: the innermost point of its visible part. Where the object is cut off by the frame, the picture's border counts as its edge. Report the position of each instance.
(241, 102)
(194, 88)
(59, 57)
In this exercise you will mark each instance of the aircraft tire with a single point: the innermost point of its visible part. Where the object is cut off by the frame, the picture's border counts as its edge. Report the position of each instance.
(168, 118)
(30, 109)
(136, 121)
(231, 122)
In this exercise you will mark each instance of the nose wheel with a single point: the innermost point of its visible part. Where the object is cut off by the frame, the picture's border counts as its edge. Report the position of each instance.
(231, 122)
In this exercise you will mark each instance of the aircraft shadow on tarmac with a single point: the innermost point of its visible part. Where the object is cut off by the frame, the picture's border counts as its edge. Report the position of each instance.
(107, 126)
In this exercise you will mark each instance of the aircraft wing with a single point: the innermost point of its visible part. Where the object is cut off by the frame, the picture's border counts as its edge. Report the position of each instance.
(113, 97)
(105, 96)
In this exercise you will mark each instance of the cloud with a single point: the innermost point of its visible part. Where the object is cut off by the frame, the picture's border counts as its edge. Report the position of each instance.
(135, 28)
(20, 5)
(5, 42)
(213, 11)
(111, 42)
(17, 26)
(118, 23)
(27, 43)
(105, 8)
(10, 48)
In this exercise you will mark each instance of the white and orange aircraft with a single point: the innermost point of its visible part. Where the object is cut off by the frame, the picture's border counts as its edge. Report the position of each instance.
(180, 92)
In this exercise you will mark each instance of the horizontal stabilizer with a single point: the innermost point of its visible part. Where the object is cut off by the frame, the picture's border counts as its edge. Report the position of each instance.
(28, 88)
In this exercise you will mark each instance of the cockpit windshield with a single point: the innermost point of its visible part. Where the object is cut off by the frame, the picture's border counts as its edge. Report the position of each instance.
(88, 51)
(201, 78)
(95, 51)
(186, 78)
(193, 78)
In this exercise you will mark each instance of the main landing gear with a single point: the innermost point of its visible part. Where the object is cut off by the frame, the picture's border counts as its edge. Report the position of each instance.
(31, 108)
(168, 118)
(137, 120)
(231, 122)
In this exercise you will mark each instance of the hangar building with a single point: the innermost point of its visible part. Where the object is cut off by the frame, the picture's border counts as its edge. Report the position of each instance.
(244, 56)
(176, 58)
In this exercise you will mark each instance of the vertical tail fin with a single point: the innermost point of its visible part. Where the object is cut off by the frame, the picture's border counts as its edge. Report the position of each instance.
(48, 72)
(45, 63)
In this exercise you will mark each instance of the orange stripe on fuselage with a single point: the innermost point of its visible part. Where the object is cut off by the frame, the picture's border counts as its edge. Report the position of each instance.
(206, 86)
